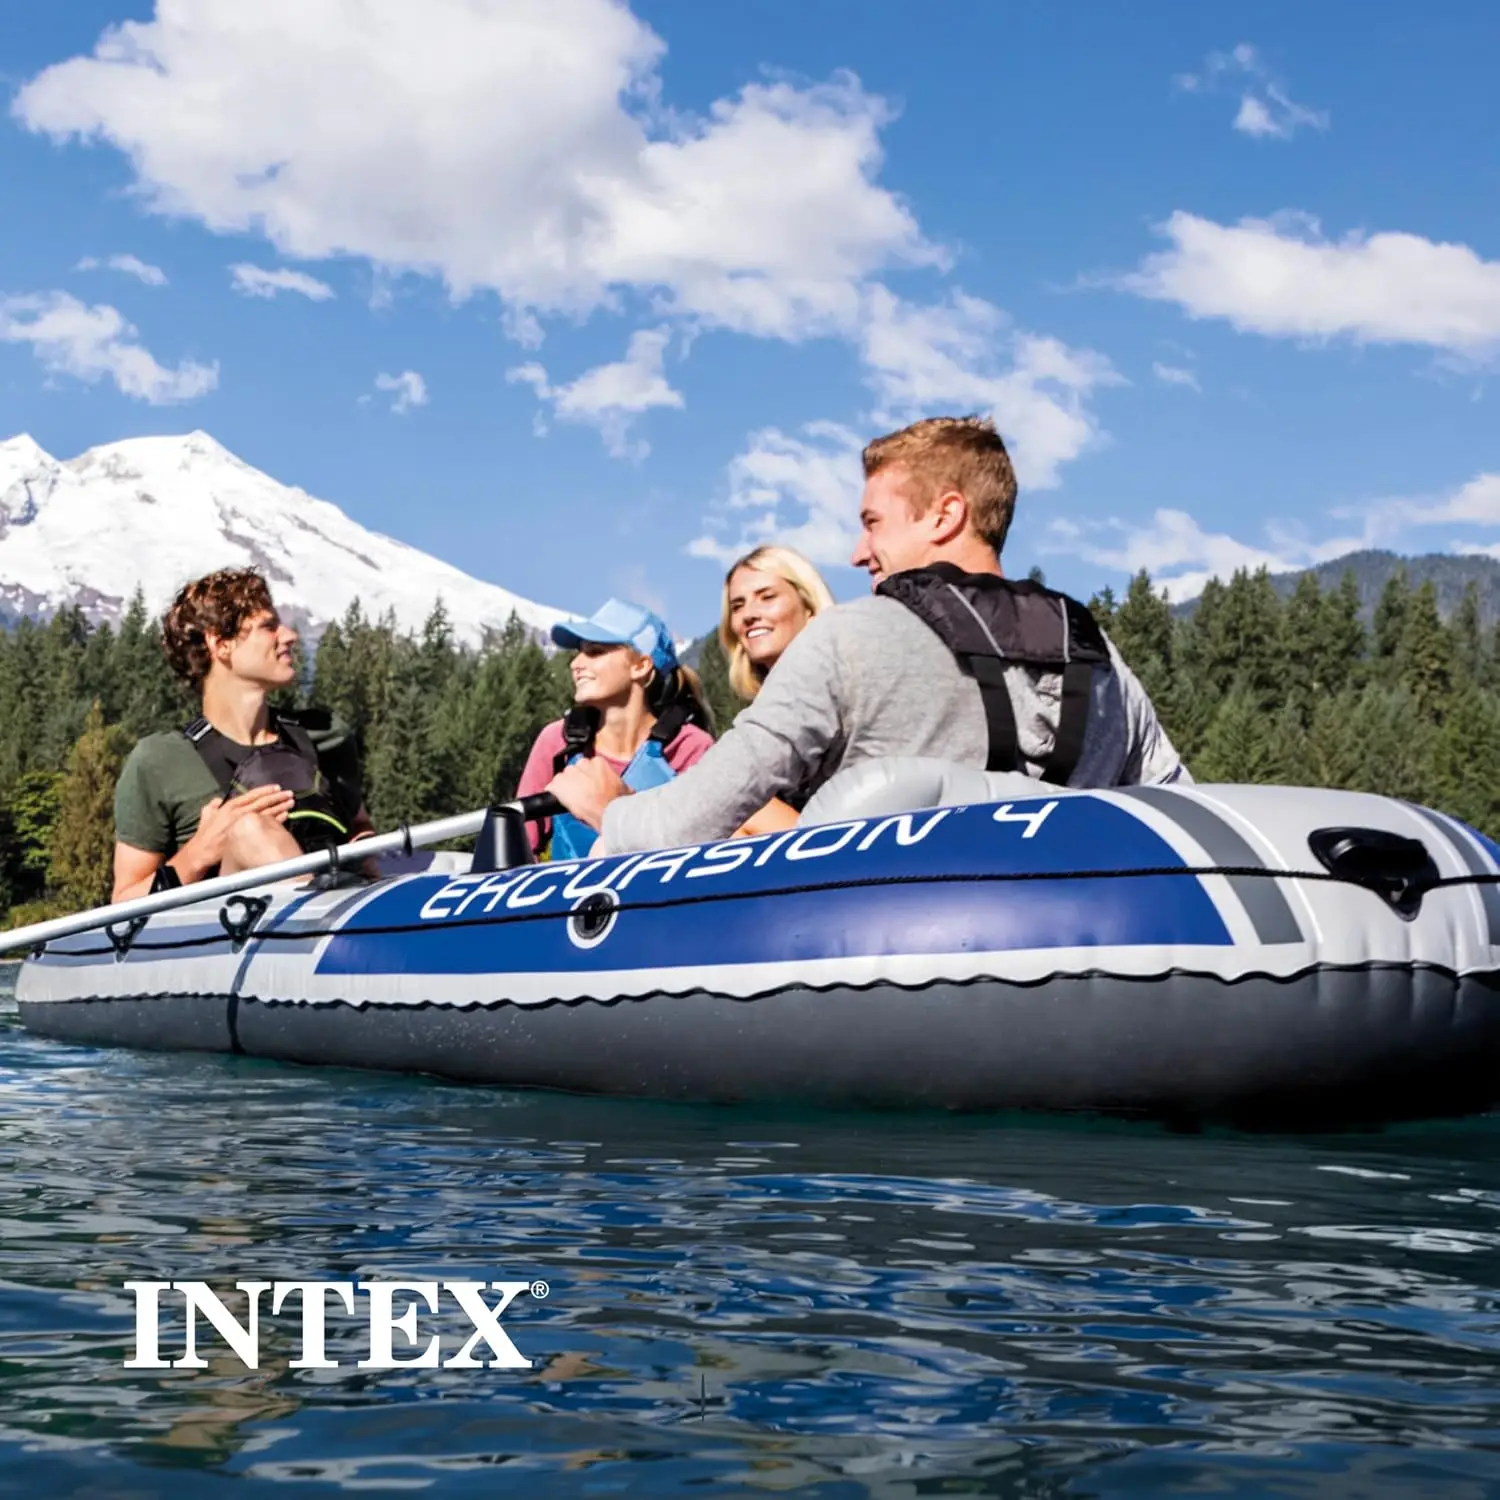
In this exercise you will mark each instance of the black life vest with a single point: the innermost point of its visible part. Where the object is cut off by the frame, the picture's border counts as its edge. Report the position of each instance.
(327, 797)
(990, 623)
(581, 726)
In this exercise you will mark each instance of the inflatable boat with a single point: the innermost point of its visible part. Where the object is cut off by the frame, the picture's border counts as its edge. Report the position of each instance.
(926, 936)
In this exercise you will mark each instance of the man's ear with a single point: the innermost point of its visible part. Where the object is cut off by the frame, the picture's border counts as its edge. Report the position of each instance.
(949, 516)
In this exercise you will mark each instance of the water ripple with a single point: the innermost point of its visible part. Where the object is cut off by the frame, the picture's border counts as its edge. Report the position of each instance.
(741, 1302)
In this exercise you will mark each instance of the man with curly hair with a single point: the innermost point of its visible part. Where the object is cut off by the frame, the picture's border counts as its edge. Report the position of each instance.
(244, 784)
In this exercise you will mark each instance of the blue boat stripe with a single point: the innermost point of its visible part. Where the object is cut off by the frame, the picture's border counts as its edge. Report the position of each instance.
(1264, 901)
(1473, 860)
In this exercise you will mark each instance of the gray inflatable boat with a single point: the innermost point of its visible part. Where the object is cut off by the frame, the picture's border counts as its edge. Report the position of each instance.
(928, 935)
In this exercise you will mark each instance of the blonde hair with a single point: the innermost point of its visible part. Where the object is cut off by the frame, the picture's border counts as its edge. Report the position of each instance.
(953, 453)
(789, 565)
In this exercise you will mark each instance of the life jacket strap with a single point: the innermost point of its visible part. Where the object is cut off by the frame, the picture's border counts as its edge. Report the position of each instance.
(580, 725)
(993, 625)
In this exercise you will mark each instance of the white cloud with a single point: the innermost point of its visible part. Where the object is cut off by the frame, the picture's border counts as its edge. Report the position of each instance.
(963, 355)
(950, 357)
(408, 387)
(1181, 556)
(95, 343)
(1385, 522)
(802, 491)
(131, 265)
(519, 148)
(526, 150)
(1266, 110)
(1283, 278)
(610, 396)
(257, 281)
(1175, 375)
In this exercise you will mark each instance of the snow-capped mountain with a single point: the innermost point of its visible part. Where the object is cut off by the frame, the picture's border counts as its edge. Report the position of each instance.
(155, 512)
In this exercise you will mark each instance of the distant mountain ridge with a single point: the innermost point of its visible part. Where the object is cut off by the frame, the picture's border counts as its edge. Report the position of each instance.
(151, 513)
(1451, 573)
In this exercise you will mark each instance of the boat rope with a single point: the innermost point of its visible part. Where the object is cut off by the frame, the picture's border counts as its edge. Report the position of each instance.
(300, 934)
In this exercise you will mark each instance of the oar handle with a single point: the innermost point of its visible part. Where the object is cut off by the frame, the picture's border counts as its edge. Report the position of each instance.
(402, 841)
(539, 805)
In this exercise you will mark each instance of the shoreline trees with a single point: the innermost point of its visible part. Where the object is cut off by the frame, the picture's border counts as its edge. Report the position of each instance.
(1250, 685)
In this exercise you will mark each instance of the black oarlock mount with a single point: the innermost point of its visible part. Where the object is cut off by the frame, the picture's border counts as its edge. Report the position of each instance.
(120, 938)
(1398, 869)
(502, 843)
(252, 909)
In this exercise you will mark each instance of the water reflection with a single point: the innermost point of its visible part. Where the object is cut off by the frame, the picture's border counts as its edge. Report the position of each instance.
(741, 1301)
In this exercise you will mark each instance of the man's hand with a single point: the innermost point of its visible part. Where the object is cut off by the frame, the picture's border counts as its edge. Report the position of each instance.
(206, 847)
(586, 788)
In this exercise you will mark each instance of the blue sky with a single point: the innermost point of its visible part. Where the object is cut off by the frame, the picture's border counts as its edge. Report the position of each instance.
(584, 298)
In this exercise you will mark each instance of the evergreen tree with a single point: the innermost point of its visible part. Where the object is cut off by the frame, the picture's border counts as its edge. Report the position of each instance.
(1240, 745)
(1390, 623)
(82, 842)
(1142, 625)
(32, 808)
(1102, 607)
(1465, 777)
(1303, 645)
(1424, 653)
(1467, 635)
(713, 671)
(1393, 740)
(1330, 755)
(1342, 638)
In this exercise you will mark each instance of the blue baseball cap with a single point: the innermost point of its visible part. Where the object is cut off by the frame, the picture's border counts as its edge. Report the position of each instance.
(617, 623)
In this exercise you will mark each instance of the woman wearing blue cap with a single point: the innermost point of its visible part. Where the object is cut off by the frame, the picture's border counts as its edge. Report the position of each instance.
(634, 705)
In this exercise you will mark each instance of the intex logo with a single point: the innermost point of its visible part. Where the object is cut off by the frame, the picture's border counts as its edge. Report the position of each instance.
(312, 1300)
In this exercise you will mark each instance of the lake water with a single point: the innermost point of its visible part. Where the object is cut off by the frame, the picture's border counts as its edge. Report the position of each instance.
(741, 1302)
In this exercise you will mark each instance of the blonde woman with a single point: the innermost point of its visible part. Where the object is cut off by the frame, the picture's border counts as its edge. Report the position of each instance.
(769, 595)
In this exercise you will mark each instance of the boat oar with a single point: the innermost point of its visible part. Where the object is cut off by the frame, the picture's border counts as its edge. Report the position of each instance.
(402, 841)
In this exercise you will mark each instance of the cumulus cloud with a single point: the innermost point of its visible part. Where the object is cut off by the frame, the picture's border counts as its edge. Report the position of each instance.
(1175, 375)
(258, 281)
(1284, 278)
(408, 388)
(130, 265)
(1173, 547)
(798, 489)
(958, 355)
(526, 150)
(962, 354)
(1266, 109)
(1181, 556)
(97, 343)
(610, 396)
(521, 149)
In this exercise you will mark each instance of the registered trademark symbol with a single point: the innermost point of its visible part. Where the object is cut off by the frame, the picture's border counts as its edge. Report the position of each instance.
(540, 1289)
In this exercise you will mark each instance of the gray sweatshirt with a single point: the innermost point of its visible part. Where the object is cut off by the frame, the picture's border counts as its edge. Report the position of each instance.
(869, 679)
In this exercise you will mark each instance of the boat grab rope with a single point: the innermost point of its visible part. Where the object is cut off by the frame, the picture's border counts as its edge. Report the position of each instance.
(705, 898)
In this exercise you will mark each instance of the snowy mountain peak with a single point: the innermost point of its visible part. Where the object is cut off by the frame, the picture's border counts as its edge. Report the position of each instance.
(153, 512)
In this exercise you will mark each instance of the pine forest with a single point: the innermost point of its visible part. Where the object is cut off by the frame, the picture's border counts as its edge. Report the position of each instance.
(1252, 686)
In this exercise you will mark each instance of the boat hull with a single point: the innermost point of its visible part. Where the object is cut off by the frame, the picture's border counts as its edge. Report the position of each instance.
(1327, 1008)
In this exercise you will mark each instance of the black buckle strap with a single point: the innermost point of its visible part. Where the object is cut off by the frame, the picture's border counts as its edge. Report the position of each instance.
(1072, 723)
(999, 715)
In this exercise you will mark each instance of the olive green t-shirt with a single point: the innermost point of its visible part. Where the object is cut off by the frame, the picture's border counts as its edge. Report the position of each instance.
(165, 784)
